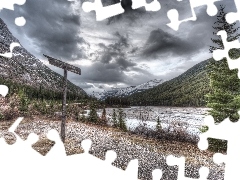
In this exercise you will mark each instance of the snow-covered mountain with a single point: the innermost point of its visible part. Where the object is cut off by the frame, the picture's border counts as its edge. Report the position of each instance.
(122, 92)
(26, 69)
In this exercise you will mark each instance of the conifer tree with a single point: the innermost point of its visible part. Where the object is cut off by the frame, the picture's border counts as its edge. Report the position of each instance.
(114, 118)
(104, 118)
(121, 120)
(224, 83)
(24, 101)
(93, 117)
(158, 126)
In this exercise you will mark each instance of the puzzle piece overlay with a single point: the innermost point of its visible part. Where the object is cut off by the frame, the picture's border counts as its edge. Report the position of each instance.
(174, 16)
(19, 21)
(9, 4)
(220, 54)
(116, 9)
(68, 167)
(180, 162)
(14, 155)
(232, 136)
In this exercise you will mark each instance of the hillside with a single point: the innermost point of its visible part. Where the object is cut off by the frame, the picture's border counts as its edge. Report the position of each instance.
(25, 69)
(188, 89)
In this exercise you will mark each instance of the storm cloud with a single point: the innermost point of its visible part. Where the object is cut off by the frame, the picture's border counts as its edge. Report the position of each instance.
(52, 26)
(161, 42)
(128, 49)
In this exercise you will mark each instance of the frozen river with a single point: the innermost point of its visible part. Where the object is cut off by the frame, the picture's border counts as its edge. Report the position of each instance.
(188, 118)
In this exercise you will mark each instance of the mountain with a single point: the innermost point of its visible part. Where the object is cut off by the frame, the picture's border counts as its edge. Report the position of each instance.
(123, 92)
(24, 68)
(188, 89)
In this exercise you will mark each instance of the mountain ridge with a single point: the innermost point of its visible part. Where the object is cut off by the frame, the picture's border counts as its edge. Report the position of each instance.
(24, 68)
(126, 91)
(187, 89)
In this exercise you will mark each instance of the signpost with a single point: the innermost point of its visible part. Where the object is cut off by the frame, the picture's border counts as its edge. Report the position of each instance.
(66, 67)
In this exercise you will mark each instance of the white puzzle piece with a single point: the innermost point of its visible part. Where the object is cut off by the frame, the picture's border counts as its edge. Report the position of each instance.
(224, 53)
(174, 16)
(233, 17)
(233, 145)
(103, 12)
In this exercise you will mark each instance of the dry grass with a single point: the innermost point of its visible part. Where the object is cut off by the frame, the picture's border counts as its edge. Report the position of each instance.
(106, 138)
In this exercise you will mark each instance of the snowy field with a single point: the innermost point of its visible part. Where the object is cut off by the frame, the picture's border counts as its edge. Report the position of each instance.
(188, 118)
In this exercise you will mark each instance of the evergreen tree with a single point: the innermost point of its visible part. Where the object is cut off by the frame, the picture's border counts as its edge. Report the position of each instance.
(121, 120)
(225, 88)
(222, 24)
(83, 118)
(224, 83)
(104, 118)
(24, 102)
(158, 126)
(114, 118)
(93, 117)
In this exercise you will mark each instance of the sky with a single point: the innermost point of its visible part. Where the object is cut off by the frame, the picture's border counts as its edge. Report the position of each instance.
(125, 50)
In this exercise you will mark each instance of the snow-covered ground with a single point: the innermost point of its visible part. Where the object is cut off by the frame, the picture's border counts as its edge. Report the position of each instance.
(188, 118)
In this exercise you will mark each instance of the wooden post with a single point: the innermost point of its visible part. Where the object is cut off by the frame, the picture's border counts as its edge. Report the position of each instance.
(64, 108)
(66, 67)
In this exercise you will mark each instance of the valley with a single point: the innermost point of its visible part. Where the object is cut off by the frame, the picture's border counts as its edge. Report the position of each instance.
(158, 117)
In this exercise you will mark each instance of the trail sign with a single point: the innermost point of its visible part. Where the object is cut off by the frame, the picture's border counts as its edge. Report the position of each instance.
(66, 67)
(63, 65)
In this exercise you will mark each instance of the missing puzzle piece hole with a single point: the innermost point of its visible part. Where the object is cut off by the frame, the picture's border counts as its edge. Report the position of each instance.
(157, 174)
(204, 172)
(203, 145)
(219, 158)
(9, 54)
(86, 145)
(3, 90)
(20, 21)
(110, 157)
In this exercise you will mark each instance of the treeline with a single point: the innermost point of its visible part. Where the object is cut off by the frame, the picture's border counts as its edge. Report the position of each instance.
(117, 101)
(38, 93)
(188, 89)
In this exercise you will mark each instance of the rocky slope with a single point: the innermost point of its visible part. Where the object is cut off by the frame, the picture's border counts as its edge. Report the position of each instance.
(24, 68)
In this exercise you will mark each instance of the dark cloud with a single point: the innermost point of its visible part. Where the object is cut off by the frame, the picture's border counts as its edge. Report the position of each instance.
(133, 15)
(123, 40)
(52, 26)
(112, 63)
(129, 14)
(107, 73)
(124, 64)
(161, 42)
(133, 50)
(114, 55)
(171, 43)
(113, 74)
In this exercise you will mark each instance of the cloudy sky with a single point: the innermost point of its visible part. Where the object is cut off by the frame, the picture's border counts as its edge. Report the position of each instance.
(121, 51)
